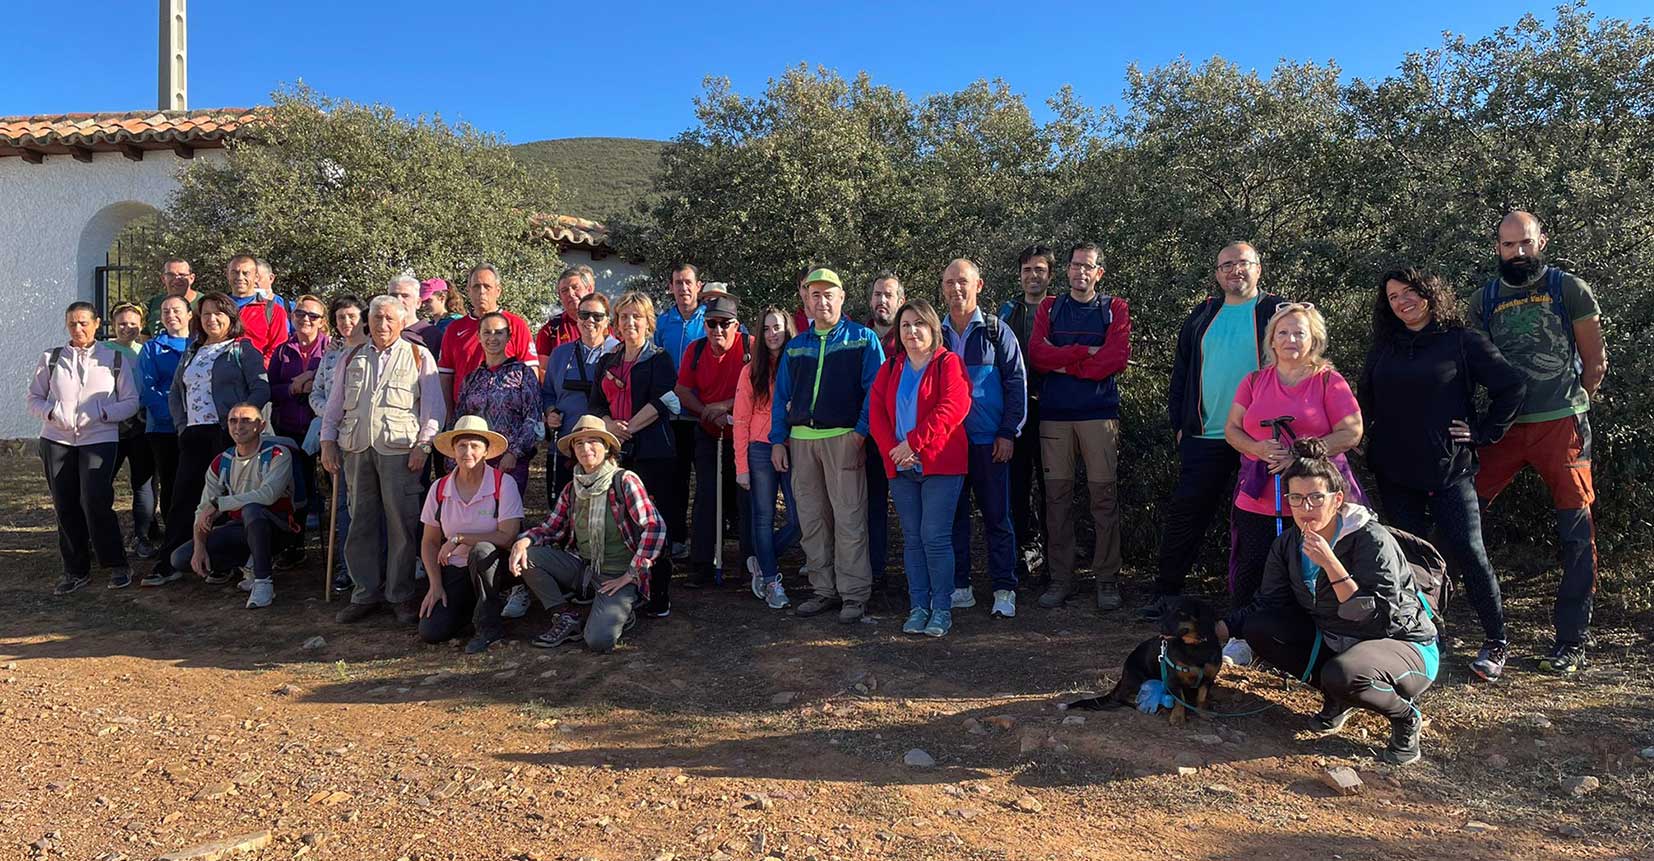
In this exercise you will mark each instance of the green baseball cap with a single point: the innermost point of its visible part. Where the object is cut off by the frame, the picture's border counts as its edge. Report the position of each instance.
(824, 276)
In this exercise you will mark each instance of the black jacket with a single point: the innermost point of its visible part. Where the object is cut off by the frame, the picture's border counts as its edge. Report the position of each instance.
(1183, 397)
(1416, 383)
(651, 381)
(1373, 559)
(238, 375)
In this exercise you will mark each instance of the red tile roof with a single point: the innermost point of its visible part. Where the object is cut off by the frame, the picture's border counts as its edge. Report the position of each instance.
(79, 134)
(570, 231)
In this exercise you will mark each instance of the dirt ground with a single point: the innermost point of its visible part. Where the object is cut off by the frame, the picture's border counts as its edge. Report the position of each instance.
(138, 723)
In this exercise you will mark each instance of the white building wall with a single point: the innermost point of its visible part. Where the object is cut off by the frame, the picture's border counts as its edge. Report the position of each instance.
(613, 272)
(57, 221)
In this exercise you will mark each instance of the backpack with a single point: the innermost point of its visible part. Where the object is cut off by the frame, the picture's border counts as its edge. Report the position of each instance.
(699, 347)
(1553, 288)
(1429, 571)
(267, 447)
(442, 492)
(1105, 308)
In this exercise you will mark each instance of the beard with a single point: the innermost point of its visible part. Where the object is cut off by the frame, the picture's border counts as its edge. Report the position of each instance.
(881, 317)
(1521, 269)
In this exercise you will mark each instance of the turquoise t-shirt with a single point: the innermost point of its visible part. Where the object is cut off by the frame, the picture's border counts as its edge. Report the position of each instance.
(1228, 352)
(907, 399)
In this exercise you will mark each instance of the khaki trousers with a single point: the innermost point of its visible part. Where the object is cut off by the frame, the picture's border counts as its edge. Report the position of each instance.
(830, 486)
(1063, 445)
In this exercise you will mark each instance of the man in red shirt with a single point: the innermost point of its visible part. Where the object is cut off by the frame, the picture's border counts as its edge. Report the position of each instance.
(263, 320)
(461, 349)
(576, 283)
(707, 377)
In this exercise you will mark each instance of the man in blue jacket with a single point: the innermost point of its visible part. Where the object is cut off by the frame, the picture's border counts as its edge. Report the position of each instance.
(819, 415)
(1220, 343)
(675, 329)
(999, 396)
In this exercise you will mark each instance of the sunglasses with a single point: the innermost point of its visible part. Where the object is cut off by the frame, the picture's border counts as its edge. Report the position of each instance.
(719, 323)
(306, 315)
(593, 316)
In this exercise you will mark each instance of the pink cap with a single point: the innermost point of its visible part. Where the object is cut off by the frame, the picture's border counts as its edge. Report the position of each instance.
(430, 287)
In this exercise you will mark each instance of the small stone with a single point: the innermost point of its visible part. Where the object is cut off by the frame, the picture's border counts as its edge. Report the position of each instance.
(220, 849)
(288, 690)
(216, 790)
(1646, 753)
(1580, 787)
(1187, 771)
(974, 727)
(966, 813)
(1342, 780)
(314, 644)
(1220, 789)
(1478, 827)
(681, 779)
(783, 698)
(1029, 804)
(1074, 720)
(1534, 721)
(917, 758)
(1030, 743)
(1209, 739)
(1003, 723)
(1571, 830)
(1496, 760)
(758, 801)
(664, 856)
(107, 730)
(505, 676)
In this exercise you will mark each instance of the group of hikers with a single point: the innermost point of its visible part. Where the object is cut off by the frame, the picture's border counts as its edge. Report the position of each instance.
(801, 427)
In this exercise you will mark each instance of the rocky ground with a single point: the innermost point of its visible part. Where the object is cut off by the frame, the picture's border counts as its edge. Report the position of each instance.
(144, 724)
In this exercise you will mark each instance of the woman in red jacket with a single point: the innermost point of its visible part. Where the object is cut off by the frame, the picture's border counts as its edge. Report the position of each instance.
(916, 413)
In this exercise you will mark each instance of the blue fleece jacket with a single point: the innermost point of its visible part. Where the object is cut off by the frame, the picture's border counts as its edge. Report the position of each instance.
(999, 386)
(833, 397)
(157, 363)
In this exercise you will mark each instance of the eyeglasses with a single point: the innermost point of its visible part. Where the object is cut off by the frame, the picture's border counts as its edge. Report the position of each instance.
(307, 315)
(1307, 501)
(720, 323)
(593, 316)
(1232, 265)
(1085, 267)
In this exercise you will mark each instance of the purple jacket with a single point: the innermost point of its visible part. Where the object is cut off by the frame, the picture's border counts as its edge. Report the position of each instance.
(291, 413)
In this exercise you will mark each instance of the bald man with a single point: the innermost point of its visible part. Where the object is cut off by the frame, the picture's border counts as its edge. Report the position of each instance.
(1547, 324)
(1220, 343)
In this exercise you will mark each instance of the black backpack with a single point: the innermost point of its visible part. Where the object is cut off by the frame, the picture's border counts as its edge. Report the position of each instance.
(1429, 572)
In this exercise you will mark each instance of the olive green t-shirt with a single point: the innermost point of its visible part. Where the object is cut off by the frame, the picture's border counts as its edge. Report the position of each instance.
(1538, 343)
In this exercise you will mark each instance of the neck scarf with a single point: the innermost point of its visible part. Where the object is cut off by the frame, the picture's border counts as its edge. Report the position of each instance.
(592, 490)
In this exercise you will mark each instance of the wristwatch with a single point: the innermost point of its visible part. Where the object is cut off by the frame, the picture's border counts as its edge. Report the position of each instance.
(424, 447)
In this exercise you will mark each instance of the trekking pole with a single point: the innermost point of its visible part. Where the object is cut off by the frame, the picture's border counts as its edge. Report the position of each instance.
(332, 538)
(718, 548)
(1276, 426)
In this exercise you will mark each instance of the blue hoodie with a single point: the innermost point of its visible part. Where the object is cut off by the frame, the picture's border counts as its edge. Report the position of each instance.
(157, 363)
(999, 387)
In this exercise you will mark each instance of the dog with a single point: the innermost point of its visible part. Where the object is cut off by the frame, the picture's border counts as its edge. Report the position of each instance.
(1188, 636)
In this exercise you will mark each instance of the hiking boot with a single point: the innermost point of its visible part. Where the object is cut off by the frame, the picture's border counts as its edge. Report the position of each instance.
(71, 583)
(517, 605)
(160, 577)
(917, 619)
(120, 578)
(261, 594)
(1108, 594)
(355, 613)
(816, 606)
(775, 597)
(1490, 661)
(850, 611)
(1404, 739)
(566, 629)
(1157, 607)
(1565, 659)
(1331, 718)
(1056, 594)
(1005, 604)
(482, 640)
(941, 622)
(1238, 653)
(143, 549)
(963, 598)
(407, 612)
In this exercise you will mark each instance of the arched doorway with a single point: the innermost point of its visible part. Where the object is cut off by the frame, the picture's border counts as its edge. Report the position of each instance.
(113, 261)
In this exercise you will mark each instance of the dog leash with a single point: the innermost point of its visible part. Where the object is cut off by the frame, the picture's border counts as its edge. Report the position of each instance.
(1166, 667)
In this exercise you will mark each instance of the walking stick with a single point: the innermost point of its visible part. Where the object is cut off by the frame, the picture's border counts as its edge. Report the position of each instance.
(1277, 426)
(332, 538)
(718, 548)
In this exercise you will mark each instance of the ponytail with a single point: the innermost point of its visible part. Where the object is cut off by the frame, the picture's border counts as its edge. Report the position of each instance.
(1312, 461)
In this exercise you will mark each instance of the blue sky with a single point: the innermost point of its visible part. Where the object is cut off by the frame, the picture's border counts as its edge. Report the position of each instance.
(533, 70)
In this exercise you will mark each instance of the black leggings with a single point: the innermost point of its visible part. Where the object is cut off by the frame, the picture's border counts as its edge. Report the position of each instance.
(1250, 537)
(657, 475)
(1383, 676)
(197, 446)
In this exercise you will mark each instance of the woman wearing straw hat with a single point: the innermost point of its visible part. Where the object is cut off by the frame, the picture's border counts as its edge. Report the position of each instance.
(469, 515)
(613, 535)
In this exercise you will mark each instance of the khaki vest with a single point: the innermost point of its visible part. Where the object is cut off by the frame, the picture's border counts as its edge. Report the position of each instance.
(381, 410)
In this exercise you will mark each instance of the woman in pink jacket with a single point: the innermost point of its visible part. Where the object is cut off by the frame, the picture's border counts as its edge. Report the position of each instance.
(753, 471)
(81, 392)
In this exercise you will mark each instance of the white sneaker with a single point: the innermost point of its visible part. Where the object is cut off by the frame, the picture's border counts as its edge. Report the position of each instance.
(261, 593)
(1237, 653)
(1005, 604)
(517, 604)
(963, 598)
(246, 584)
(757, 577)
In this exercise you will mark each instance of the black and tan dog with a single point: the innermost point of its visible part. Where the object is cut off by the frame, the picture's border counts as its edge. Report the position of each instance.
(1189, 643)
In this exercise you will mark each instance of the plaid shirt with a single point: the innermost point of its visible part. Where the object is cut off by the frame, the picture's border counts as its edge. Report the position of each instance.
(641, 525)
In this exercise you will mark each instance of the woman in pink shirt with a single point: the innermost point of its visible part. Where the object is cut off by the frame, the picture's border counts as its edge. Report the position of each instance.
(1295, 383)
(471, 515)
(81, 392)
(753, 471)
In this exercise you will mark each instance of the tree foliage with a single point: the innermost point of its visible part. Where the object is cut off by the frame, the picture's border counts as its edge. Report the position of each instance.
(1334, 181)
(345, 196)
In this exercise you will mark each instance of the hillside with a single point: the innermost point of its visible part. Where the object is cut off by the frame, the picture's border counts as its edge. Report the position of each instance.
(599, 176)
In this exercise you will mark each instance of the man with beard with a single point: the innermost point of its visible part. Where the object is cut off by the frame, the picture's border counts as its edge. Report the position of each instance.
(1034, 267)
(1220, 343)
(885, 294)
(1547, 324)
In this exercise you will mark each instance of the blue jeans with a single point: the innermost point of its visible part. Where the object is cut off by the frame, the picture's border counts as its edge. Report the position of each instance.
(926, 506)
(768, 543)
(990, 484)
(1456, 514)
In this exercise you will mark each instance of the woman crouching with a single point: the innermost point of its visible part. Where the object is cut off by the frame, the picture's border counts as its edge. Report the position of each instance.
(1338, 608)
(612, 533)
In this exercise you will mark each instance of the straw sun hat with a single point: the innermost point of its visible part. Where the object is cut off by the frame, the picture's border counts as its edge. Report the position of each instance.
(471, 426)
